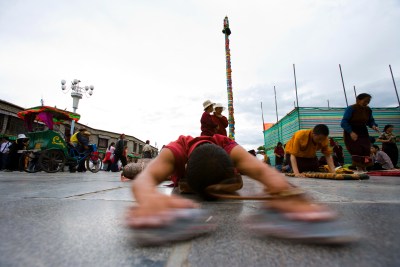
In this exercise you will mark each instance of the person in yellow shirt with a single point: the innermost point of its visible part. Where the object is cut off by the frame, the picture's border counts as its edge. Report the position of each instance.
(301, 150)
(80, 140)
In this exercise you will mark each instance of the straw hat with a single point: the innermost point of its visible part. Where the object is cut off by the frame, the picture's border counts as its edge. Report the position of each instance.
(86, 133)
(207, 103)
(219, 105)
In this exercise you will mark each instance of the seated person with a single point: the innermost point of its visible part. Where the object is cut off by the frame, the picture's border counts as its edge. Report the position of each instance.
(80, 140)
(380, 159)
(301, 150)
(209, 160)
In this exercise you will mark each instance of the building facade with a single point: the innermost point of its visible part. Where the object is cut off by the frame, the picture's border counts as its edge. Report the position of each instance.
(11, 125)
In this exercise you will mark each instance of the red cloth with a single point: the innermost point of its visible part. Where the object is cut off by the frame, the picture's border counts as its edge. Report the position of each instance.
(184, 146)
(222, 123)
(208, 127)
(107, 157)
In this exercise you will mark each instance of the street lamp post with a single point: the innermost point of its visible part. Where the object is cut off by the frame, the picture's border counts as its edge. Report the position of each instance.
(76, 93)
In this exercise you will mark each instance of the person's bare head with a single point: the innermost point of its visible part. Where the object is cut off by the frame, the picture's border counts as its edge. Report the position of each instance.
(208, 164)
(320, 133)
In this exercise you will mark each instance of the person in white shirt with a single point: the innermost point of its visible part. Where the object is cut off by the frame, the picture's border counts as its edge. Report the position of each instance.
(147, 150)
(4, 149)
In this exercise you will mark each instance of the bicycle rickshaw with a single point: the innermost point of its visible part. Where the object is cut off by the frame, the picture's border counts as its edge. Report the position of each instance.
(48, 150)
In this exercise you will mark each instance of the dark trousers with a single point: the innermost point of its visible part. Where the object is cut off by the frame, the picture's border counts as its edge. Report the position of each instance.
(147, 155)
(3, 160)
(118, 157)
(305, 164)
(375, 167)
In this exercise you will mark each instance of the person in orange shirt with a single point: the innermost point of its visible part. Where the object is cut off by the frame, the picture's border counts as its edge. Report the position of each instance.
(302, 148)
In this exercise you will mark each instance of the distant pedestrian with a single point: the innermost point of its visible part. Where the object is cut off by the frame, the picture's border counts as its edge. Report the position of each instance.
(13, 156)
(147, 150)
(208, 127)
(355, 120)
(279, 153)
(4, 149)
(119, 153)
(109, 157)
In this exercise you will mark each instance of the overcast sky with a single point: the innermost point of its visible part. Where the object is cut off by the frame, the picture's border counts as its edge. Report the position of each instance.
(154, 62)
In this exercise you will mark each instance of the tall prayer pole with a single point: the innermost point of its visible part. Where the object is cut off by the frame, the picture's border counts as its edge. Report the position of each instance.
(231, 119)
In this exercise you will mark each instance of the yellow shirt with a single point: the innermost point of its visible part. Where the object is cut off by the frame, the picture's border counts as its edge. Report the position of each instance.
(74, 138)
(302, 145)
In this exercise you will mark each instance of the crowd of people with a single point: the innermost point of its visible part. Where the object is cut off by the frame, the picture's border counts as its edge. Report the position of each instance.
(9, 156)
(299, 155)
(117, 157)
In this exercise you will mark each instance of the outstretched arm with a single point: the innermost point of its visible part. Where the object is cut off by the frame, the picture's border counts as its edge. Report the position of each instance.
(153, 205)
(300, 207)
(156, 172)
(256, 169)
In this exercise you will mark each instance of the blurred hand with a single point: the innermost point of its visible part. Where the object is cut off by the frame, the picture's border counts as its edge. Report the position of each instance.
(157, 210)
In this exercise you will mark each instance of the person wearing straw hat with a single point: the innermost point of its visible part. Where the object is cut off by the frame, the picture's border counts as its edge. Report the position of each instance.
(208, 127)
(220, 119)
(80, 140)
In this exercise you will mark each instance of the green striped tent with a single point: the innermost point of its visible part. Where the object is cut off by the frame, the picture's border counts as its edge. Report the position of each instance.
(308, 117)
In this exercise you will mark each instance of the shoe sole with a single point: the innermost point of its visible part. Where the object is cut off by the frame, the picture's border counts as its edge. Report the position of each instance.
(274, 224)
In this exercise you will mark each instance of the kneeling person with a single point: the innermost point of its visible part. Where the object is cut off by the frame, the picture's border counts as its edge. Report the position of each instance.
(301, 150)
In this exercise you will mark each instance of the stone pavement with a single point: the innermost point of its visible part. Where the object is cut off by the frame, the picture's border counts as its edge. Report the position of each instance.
(73, 219)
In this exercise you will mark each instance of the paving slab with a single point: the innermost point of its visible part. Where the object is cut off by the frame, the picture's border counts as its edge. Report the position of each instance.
(76, 219)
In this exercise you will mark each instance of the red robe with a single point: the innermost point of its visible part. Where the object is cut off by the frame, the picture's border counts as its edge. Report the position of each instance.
(184, 146)
(222, 123)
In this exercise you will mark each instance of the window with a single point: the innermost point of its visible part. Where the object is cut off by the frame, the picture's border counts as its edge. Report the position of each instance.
(103, 142)
(2, 118)
(15, 126)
